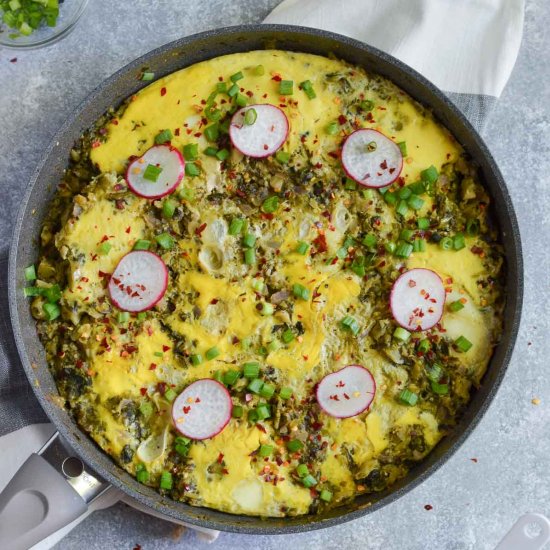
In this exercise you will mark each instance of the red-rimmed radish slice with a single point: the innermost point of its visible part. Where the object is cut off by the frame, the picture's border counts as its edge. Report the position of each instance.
(417, 299)
(202, 410)
(371, 158)
(347, 392)
(139, 281)
(265, 136)
(172, 166)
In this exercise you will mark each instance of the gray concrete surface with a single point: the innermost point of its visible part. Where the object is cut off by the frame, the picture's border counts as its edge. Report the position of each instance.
(474, 503)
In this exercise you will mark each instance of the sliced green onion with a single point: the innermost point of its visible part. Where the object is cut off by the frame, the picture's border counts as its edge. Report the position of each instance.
(258, 285)
(332, 128)
(221, 87)
(285, 393)
(423, 223)
(307, 87)
(408, 397)
(402, 208)
(391, 198)
(31, 291)
(263, 411)
(463, 344)
(152, 172)
(250, 116)
(403, 147)
(302, 470)
(325, 495)
(370, 240)
(472, 228)
(358, 266)
(191, 152)
(233, 91)
(231, 376)
(351, 324)
(123, 317)
(406, 235)
(404, 193)
(390, 247)
(166, 480)
(191, 169)
(30, 273)
(212, 132)
(446, 243)
(267, 309)
(274, 345)
(241, 100)
(342, 252)
(294, 445)
(212, 353)
(440, 389)
(165, 240)
(218, 376)
(259, 70)
(458, 241)
(142, 244)
(350, 185)
(251, 370)
(271, 204)
(147, 76)
(415, 202)
(265, 450)
(287, 336)
(169, 208)
(211, 151)
(434, 372)
(419, 245)
(286, 87)
(182, 446)
(142, 475)
(249, 240)
(163, 136)
(237, 411)
(455, 306)
(52, 293)
(146, 409)
(170, 395)
(401, 334)
(213, 114)
(429, 175)
(302, 248)
(52, 311)
(253, 416)
(267, 391)
(236, 77)
(236, 226)
(424, 346)
(282, 156)
(403, 250)
(300, 291)
(309, 481)
(186, 194)
(196, 359)
(141, 316)
(222, 154)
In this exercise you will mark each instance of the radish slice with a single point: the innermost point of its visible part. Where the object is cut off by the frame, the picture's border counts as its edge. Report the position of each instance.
(139, 281)
(347, 392)
(165, 157)
(417, 299)
(262, 138)
(202, 409)
(371, 158)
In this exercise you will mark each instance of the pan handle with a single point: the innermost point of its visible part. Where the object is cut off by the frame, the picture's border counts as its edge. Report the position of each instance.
(50, 490)
(36, 502)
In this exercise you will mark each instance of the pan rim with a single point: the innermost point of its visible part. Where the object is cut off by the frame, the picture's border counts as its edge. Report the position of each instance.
(254, 524)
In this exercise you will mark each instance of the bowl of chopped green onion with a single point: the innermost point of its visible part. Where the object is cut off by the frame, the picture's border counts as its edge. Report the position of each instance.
(29, 24)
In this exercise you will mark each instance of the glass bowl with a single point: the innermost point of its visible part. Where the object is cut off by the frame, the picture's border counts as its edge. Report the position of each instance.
(69, 14)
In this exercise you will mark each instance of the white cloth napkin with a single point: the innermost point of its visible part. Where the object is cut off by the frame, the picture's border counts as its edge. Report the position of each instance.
(467, 48)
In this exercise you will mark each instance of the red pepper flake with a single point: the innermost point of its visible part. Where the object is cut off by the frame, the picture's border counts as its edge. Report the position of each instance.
(152, 366)
(219, 460)
(197, 134)
(225, 471)
(161, 388)
(128, 229)
(320, 243)
(163, 91)
(177, 132)
(79, 363)
(276, 78)
(96, 144)
(137, 547)
(267, 216)
(13, 60)
(143, 391)
(186, 409)
(165, 348)
(200, 229)
(474, 460)
(342, 119)
(333, 154)
(428, 507)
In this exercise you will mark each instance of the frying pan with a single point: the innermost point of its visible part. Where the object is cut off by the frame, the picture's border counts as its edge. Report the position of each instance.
(98, 465)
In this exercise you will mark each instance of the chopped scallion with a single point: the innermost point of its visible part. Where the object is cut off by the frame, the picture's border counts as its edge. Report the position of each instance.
(164, 136)
(236, 226)
(196, 359)
(191, 152)
(142, 244)
(307, 87)
(463, 344)
(401, 334)
(152, 172)
(300, 291)
(250, 116)
(165, 240)
(294, 445)
(302, 248)
(455, 306)
(285, 393)
(191, 169)
(166, 480)
(212, 353)
(30, 273)
(271, 204)
(286, 87)
(282, 156)
(251, 370)
(408, 397)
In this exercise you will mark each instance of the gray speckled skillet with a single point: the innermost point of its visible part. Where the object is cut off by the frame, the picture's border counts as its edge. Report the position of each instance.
(166, 60)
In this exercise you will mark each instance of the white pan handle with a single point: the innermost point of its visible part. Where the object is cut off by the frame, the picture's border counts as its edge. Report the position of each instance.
(530, 532)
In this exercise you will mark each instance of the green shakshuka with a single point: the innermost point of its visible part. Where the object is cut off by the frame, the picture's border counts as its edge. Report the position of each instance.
(268, 283)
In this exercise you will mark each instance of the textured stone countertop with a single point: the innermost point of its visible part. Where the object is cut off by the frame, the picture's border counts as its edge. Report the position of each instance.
(474, 502)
